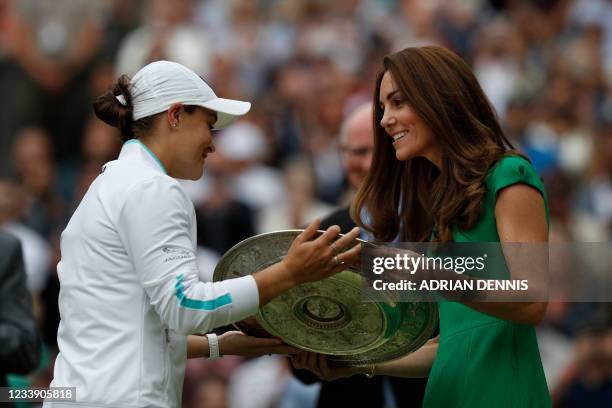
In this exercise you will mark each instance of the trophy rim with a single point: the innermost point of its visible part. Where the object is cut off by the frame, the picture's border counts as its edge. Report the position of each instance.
(383, 351)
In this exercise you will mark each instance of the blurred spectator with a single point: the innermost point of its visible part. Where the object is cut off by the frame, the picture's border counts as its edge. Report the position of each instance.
(267, 382)
(222, 220)
(558, 187)
(47, 49)
(167, 34)
(332, 88)
(516, 120)
(240, 152)
(595, 12)
(53, 39)
(595, 200)
(496, 64)
(211, 392)
(457, 23)
(100, 144)
(19, 343)
(198, 374)
(415, 27)
(300, 206)
(240, 32)
(356, 145)
(587, 381)
(36, 172)
(36, 251)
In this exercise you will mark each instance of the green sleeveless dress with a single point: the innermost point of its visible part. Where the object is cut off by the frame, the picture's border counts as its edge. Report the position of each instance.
(483, 361)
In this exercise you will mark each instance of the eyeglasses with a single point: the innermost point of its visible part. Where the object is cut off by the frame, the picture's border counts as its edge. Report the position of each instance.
(355, 151)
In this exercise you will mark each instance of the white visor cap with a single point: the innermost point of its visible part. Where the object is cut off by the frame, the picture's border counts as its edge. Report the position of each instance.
(161, 84)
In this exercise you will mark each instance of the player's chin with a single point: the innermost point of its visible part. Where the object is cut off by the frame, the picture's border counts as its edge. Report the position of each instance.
(197, 172)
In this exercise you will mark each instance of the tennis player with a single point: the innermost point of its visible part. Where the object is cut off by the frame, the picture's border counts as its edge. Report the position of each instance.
(130, 293)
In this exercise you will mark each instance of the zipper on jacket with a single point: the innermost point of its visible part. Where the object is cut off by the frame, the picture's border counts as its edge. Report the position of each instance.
(166, 358)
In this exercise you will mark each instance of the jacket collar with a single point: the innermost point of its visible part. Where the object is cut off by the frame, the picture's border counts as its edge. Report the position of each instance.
(135, 148)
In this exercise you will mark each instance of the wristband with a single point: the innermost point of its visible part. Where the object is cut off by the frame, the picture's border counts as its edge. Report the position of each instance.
(213, 346)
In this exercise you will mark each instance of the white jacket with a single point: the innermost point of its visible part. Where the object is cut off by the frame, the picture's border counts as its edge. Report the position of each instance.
(130, 292)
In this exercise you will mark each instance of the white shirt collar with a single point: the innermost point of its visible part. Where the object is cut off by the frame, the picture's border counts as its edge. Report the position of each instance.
(135, 148)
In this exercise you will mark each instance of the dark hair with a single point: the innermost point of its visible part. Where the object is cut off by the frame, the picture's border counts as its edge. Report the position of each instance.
(414, 195)
(108, 109)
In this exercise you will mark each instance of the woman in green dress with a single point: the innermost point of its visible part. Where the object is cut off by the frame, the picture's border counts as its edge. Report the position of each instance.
(441, 158)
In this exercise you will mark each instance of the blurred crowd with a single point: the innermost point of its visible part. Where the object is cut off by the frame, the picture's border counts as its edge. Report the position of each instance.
(546, 66)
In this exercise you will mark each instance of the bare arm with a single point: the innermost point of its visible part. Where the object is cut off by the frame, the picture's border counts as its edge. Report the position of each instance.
(308, 260)
(414, 365)
(197, 346)
(235, 343)
(521, 217)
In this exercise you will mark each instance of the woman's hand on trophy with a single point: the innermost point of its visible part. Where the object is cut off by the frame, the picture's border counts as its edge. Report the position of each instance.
(311, 259)
(237, 343)
(318, 365)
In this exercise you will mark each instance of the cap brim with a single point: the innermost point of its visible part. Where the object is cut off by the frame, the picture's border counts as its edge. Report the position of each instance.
(228, 110)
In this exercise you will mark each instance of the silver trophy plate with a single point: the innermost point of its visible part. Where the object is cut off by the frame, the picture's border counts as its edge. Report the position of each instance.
(332, 316)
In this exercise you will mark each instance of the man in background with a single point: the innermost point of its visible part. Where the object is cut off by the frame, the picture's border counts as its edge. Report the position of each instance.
(356, 144)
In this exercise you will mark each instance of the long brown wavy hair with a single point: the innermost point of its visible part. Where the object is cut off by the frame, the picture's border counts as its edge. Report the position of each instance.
(414, 198)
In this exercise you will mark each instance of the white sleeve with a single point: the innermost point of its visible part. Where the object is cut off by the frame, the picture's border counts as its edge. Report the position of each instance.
(154, 225)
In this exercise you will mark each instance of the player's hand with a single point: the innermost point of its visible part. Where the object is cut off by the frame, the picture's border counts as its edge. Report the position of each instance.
(318, 365)
(311, 258)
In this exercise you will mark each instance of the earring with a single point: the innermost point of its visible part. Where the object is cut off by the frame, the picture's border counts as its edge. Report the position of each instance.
(175, 124)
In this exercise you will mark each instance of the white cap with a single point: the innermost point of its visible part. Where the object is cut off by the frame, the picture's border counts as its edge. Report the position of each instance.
(161, 84)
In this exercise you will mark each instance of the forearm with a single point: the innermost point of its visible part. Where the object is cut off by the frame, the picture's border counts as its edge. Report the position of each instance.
(197, 346)
(518, 312)
(526, 312)
(272, 281)
(414, 365)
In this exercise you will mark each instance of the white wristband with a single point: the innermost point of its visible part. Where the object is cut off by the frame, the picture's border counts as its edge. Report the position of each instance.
(213, 346)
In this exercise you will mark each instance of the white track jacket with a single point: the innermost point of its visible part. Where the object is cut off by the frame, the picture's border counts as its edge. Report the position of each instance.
(130, 292)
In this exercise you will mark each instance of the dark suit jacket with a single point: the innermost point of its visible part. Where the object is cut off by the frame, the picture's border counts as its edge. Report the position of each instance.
(19, 342)
(359, 391)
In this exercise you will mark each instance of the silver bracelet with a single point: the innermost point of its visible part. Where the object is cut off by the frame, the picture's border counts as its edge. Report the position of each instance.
(371, 371)
(213, 346)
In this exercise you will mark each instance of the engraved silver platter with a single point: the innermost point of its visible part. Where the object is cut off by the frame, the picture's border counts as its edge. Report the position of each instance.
(332, 316)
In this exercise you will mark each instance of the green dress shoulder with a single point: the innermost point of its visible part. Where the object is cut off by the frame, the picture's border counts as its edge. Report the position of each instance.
(483, 361)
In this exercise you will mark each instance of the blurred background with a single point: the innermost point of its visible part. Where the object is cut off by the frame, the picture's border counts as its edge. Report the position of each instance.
(546, 66)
